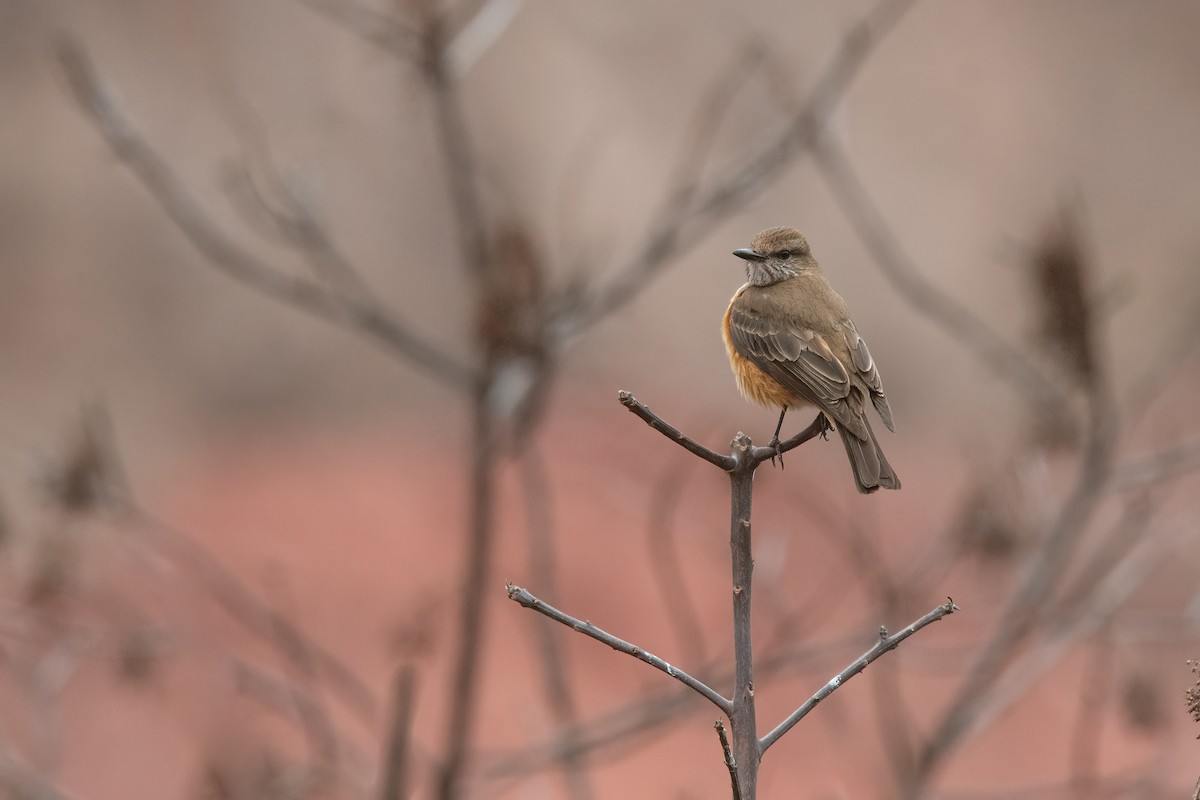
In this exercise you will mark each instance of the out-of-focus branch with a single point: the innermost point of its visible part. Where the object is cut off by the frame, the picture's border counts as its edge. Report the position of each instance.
(1164, 466)
(689, 211)
(458, 153)
(297, 704)
(886, 642)
(356, 314)
(524, 598)
(1082, 619)
(898, 267)
(281, 212)
(114, 494)
(543, 569)
(385, 31)
(476, 566)
(397, 760)
(1094, 694)
(665, 562)
(237, 601)
(19, 781)
(1023, 612)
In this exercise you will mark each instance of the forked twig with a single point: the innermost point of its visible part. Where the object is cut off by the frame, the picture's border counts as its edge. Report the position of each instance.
(884, 644)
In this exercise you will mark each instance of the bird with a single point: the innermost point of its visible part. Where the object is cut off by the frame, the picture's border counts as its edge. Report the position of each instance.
(791, 343)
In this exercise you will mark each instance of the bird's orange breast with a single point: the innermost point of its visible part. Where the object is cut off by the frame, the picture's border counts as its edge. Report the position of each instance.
(754, 384)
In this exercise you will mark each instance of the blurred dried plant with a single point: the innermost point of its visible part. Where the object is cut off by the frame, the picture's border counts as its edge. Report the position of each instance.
(1192, 694)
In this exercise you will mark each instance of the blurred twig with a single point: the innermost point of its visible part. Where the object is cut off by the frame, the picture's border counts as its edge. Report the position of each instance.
(664, 561)
(688, 210)
(924, 295)
(357, 314)
(543, 570)
(396, 774)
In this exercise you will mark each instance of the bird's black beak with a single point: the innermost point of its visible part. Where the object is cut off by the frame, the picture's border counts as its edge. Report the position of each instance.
(749, 255)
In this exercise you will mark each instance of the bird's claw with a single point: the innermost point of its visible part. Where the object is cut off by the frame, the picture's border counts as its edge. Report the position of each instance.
(775, 445)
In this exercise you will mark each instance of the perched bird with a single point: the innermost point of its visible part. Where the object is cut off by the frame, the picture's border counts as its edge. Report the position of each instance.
(791, 343)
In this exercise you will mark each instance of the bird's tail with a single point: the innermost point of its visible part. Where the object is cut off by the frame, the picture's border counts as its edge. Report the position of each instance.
(871, 467)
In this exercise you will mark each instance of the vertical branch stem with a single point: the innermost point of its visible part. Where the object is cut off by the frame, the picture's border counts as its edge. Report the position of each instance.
(397, 756)
(478, 561)
(742, 720)
(544, 570)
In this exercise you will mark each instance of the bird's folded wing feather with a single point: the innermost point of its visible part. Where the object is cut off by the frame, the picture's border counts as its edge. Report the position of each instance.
(801, 361)
(865, 366)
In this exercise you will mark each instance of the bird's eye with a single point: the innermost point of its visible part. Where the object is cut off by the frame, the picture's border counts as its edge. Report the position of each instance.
(785, 254)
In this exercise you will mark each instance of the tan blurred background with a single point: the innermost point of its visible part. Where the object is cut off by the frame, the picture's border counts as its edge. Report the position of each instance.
(292, 448)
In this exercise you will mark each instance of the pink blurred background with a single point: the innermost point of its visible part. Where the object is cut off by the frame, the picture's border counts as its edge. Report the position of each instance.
(332, 481)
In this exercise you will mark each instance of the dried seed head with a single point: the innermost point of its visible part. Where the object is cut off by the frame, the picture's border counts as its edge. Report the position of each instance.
(1061, 276)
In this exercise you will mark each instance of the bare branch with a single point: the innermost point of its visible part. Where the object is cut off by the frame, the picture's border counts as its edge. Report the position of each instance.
(477, 564)
(744, 182)
(458, 153)
(524, 598)
(882, 646)
(664, 560)
(1044, 568)
(280, 211)
(924, 295)
(674, 434)
(730, 763)
(817, 427)
(647, 713)
(358, 315)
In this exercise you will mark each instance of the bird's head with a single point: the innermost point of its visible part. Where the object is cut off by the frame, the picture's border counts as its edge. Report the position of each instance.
(776, 254)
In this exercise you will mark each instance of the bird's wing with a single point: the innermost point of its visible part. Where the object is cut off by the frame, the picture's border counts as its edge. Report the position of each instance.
(868, 372)
(801, 360)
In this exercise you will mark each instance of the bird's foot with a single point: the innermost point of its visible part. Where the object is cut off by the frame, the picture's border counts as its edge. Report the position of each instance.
(775, 445)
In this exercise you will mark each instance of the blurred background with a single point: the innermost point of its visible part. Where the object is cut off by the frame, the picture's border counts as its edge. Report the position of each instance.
(312, 318)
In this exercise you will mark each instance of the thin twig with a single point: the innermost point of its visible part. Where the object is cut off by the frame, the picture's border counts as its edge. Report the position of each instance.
(356, 314)
(647, 713)
(884, 644)
(674, 434)
(730, 762)
(524, 598)
(699, 210)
